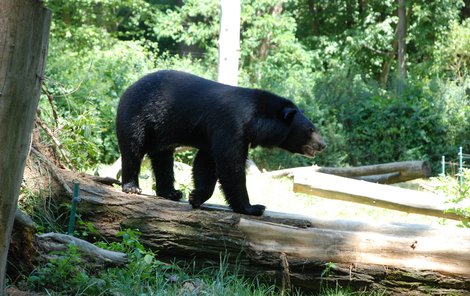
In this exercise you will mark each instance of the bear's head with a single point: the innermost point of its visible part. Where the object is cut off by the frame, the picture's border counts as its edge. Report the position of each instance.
(303, 137)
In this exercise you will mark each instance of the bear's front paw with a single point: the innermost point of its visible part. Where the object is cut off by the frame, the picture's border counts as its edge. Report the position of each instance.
(199, 196)
(131, 188)
(194, 200)
(174, 195)
(253, 210)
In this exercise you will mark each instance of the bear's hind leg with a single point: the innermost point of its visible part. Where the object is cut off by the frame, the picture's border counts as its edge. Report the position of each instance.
(162, 165)
(130, 164)
(204, 177)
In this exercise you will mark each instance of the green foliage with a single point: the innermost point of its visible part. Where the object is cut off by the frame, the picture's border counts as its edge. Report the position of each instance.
(329, 57)
(452, 51)
(194, 24)
(459, 193)
(379, 127)
(85, 91)
(86, 24)
(68, 274)
(46, 213)
(360, 35)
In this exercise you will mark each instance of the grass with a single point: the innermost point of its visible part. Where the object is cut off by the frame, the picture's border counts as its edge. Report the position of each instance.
(143, 275)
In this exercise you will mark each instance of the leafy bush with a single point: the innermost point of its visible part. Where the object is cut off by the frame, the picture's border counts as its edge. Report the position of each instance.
(452, 51)
(428, 121)
(459, 193)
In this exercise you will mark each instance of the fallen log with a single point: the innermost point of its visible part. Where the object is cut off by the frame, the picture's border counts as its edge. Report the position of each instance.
(387, 173)
(309, 252)
(304, 251)
(51, 243)
(27, 248)
(377, 195)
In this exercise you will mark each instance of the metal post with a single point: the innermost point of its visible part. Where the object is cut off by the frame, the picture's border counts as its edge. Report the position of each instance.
(443, 165)
(461, 166)
(73, 208)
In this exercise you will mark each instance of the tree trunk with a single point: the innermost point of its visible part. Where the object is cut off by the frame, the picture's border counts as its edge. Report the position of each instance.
(465, 11)
(24, 31)
(304, 251)
(229, 42)
(401, 36)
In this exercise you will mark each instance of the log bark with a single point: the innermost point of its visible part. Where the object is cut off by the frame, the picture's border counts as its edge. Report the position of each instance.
(24, 31)
(377, 195)
(387, 173)
(288, 248)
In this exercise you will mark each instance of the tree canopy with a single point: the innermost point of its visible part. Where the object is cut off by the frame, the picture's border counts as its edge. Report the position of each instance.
(336, 59)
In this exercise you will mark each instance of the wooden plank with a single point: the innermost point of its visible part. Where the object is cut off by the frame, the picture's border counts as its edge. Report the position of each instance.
(377, 195)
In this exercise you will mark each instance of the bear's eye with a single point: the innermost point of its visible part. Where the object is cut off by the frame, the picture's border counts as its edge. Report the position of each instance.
(312, 129)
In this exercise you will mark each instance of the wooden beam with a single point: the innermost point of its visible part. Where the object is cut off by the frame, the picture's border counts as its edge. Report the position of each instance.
(386, 173)
(377, 195)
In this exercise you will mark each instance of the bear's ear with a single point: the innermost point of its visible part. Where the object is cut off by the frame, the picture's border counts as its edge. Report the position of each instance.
(288, 114)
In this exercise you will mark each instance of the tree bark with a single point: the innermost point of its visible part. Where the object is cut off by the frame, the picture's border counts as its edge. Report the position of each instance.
(24, 31)
(305, 251)
(229, 42)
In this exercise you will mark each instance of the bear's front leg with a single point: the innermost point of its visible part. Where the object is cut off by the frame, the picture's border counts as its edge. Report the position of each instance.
(204, 177)
(231, 173)
(162, 165)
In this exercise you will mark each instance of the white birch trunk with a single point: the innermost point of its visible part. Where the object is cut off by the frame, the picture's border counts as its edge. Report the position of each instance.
(229, 42)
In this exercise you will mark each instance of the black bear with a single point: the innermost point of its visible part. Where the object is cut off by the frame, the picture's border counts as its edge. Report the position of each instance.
(167, 109)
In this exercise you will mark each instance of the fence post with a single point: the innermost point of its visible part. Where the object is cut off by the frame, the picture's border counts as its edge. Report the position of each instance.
(73, 208)
(460, 166)
(443, 165)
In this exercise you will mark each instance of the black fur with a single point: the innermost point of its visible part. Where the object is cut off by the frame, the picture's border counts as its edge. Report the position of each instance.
(167, 109)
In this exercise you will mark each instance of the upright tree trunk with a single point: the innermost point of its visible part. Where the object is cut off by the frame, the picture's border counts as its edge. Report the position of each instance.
(229, 42)
(401, 36)
(465, 11)
(24, 32)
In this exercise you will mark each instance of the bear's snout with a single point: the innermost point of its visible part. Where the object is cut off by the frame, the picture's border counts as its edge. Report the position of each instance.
(316, 144)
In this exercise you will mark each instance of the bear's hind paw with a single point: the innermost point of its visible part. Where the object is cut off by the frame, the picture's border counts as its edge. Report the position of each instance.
(131, 188)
